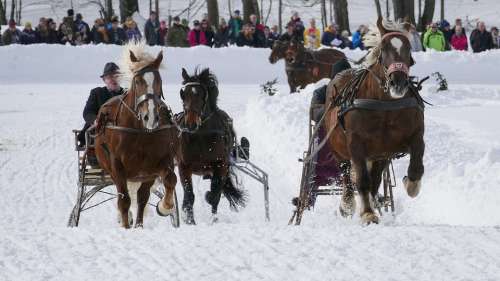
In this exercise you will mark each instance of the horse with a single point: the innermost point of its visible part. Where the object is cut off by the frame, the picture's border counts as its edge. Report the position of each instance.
(278, 51)
(206, 143)
(136, 140)
(375, 114)
(304, 66)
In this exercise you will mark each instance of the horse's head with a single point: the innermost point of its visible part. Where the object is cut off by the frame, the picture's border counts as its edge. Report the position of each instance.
(278, 51)
(146, 88)
(199, 95)
(395, 57)
(294, 49)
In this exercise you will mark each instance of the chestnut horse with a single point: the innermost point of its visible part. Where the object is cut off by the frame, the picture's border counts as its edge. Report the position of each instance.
(375, 113)
(206, 143)
(304, 67)
(137, 141)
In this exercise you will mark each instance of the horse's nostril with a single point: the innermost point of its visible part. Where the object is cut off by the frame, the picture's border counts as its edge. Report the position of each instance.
(146, 118)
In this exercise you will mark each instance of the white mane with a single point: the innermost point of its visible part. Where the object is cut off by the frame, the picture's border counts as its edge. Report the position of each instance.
(373, 38)
(127, 67)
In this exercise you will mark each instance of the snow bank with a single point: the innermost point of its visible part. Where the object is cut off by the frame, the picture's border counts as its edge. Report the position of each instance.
(67, 64)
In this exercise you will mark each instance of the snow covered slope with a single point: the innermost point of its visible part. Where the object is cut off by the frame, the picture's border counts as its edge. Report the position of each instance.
(450, 232)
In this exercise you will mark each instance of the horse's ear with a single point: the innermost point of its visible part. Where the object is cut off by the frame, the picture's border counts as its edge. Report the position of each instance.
(412, 61)
(158, 60)
(133, 58)
(381, 27)
(185, 75)
(406, 23)
(205, 74)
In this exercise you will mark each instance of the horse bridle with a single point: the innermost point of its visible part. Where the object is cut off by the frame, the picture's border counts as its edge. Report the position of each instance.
(397, 66)
(138, 101)
(205, 103)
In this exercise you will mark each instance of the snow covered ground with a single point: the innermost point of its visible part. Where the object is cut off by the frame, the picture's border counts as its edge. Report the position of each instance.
(450, 232)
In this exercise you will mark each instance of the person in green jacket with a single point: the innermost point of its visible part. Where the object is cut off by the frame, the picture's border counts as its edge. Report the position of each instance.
(434, 39)
(177, 34)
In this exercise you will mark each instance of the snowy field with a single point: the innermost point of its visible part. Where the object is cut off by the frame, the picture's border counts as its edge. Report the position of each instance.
(450, 232)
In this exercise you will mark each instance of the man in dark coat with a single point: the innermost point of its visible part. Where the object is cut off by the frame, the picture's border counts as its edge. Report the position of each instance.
(151, 29)
(100, 95)
(480, 39)
(177, 34)
(116, 34)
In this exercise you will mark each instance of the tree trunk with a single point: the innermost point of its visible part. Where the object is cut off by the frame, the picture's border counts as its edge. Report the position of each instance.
(109, 10)
(442, 10)
(341, 15)
(323, 14)
(157, 7)
(427, 15)
(19, 11)
(250, 7)
(213, 12)
(387, 14)
(331, 13)
(404, 10)
(280, 16)
(128, 8)
(379, 9)
(268, 12)
(12, 9)
(3, 20)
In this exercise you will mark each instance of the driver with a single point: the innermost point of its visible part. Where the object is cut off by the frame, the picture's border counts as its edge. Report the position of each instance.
(100, 95)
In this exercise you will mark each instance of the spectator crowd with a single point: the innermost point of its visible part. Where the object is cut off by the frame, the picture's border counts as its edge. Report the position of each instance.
(74, 30)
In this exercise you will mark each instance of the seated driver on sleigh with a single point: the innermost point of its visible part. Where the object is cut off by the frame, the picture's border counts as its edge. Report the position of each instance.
(99, 96)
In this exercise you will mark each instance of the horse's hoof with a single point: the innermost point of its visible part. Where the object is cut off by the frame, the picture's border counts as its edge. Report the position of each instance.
(412, 187)
(214, 219)
(369, 218)
(139, 225)
(188, 217)
(346, 213)
(162, 211)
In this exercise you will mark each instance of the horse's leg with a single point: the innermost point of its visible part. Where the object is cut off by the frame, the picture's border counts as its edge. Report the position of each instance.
(142, 200)
(120, 180)
(362, 168)
(377, 168)
(213, 196)
(291, 83)
(416, 168)
(348, 202)
(166, 205)
(185, 175)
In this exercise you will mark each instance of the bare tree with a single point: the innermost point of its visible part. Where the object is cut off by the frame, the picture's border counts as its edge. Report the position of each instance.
(323, 14)
(379, 9)
(280, 15)
(442, 10)
(404, 9)
(213, 12)
(250, 7)
(269, 9)
(3, 20)
(12, 9)
(427, 15)
(341, 14)
(128, 8)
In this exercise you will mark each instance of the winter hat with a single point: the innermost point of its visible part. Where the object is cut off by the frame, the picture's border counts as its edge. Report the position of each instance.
(27, 24)
(176, 18)
(444, 24)
(196, 22)
(79, 16)
(12, 23)
(110, 68)
(71, 13)
(237, 12)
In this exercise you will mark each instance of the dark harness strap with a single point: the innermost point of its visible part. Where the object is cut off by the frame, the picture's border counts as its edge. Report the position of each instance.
(379, 105)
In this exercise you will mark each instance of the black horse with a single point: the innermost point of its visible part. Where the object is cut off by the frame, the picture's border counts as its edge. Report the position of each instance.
(207, 141)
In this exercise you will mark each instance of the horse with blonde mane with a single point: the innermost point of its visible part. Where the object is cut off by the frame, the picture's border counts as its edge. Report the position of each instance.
(374, 114)
(136, 139)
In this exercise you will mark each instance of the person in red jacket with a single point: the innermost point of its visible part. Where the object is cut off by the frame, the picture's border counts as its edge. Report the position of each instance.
(196, 35)
(459, 40)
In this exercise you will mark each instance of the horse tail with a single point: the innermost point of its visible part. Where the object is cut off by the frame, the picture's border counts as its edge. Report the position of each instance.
(236, 197)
